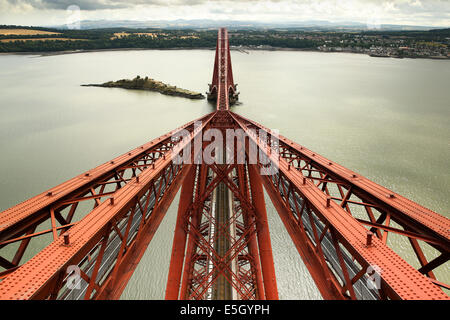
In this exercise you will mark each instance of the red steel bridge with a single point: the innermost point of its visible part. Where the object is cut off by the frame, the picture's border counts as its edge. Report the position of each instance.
(100, 223)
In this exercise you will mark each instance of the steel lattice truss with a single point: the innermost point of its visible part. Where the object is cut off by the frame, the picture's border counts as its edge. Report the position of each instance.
(341, 223)
(70, 201)
(235, 264)
(382, 207)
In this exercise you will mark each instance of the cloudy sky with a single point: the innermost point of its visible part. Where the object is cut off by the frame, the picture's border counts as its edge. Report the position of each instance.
(54, 12)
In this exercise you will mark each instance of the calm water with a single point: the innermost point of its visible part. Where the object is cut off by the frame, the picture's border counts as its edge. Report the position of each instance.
(386, 119)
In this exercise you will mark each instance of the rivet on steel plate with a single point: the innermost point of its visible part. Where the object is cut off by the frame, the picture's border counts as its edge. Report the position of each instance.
(66, 238)
(369, 239)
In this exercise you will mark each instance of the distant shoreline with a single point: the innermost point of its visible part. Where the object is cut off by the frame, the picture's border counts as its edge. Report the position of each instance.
(57, 53)
(242, 50)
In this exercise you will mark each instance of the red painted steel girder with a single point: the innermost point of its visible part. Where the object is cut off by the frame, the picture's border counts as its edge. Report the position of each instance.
(262, 227)
(423, 220)
(295, 196)
(106, 244)
(344, 232)
(383, 207)
(180, 236)
(60, 205)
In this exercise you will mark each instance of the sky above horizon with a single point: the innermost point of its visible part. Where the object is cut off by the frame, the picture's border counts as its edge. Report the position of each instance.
(372, 12)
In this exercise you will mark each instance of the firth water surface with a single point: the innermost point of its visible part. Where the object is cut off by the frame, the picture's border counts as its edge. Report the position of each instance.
(386, 119)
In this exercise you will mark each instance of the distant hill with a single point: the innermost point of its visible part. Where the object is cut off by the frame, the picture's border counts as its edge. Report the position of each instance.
(445, 32)
(312, 25)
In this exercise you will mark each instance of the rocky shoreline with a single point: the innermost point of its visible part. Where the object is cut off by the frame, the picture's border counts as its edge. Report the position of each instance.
(149, 84)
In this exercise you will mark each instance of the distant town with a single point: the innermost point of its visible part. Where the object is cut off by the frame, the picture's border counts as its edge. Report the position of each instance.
(432, 44)
(395, 45)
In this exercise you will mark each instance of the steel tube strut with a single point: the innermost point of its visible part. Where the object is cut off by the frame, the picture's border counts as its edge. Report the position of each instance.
(252, 242)
(264, 242)
(180, 235)
(191, 247)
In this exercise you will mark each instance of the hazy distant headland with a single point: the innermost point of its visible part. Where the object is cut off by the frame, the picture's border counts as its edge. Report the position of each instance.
(203, 24)
(433, 43)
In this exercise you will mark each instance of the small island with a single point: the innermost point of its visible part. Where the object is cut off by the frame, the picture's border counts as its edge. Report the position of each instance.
(149, 84)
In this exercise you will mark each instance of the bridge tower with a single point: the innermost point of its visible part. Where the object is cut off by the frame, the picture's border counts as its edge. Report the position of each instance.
(222, 88)
(221, 247)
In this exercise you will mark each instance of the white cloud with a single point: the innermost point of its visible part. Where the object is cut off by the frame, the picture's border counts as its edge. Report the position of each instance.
(417, 12)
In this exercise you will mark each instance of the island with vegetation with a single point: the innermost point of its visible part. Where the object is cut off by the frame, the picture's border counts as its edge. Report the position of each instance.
(149, 84)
